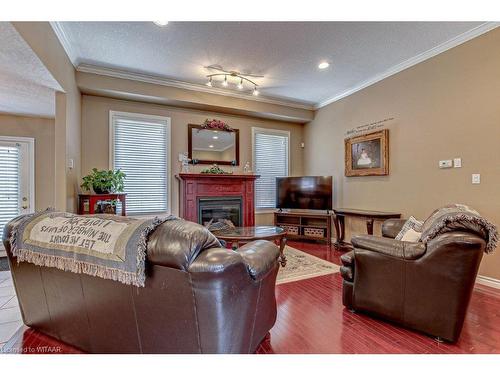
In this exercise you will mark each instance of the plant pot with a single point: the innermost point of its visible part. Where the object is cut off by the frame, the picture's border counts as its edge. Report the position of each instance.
(100, 191)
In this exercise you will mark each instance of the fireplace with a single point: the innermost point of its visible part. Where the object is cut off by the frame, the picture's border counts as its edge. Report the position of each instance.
(219, 208)
(207, 196)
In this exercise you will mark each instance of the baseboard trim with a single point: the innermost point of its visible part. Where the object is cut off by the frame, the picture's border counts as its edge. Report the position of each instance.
(488, 281)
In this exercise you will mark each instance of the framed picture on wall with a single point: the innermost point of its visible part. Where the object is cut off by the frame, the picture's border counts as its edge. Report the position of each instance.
(368, 154)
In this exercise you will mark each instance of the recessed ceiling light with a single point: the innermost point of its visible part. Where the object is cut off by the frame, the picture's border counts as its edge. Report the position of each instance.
(323, 65)
(160, 23)
(211, 146)
(215, 137)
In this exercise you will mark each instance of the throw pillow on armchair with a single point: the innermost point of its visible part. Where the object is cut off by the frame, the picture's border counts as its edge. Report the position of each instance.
(411, 230)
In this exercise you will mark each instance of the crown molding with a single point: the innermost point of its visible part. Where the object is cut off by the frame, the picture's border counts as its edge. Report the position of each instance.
(460, 39)
(64, 40)
(146, 78)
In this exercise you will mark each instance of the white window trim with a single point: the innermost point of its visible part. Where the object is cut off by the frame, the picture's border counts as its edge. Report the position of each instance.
(141, 116)
(29, 143)
(286, 133)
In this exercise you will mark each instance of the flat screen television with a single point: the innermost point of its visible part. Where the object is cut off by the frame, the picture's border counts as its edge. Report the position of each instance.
(308, 192)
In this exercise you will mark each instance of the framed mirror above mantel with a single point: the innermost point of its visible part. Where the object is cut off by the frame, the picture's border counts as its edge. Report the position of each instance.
(213, 146)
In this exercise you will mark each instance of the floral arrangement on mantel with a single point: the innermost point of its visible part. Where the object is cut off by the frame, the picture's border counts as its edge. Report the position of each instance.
(217, 125)
(215, 169)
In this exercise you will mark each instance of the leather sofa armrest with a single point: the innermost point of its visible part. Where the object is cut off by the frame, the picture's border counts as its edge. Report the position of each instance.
(260, 257)
(391, 227)
(347, 273)
(347, 259)
(177, 243)
(347, 268)
(215, 261)
(389, 246)
(454, 240)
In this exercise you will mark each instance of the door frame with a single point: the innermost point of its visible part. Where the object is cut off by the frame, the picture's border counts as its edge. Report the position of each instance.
(29, 144)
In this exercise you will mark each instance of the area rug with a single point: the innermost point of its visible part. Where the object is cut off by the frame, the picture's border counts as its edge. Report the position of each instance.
(301, 265)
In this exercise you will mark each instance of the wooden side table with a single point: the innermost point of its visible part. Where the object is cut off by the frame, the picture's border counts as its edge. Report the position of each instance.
(369, 216)
(92, 199)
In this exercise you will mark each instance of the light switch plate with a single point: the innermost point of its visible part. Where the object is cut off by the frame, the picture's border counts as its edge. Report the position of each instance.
(476, 178)
(71, 163)
(445, 164)
(457, 163)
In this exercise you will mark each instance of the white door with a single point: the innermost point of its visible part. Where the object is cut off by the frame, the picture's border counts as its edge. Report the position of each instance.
(16, 179)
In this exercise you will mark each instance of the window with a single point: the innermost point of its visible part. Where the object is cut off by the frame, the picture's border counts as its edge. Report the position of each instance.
(270, 160)
(16, 179)
(140, 147)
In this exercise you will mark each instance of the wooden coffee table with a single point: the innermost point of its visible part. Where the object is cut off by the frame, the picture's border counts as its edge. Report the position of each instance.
(247, 234)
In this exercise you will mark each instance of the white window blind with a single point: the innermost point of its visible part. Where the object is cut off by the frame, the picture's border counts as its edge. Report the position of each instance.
(9, 184)
(141, 149)
(270, 157)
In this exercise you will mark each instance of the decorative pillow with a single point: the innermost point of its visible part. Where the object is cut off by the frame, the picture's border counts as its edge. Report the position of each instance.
(411, 224)
(411, 236)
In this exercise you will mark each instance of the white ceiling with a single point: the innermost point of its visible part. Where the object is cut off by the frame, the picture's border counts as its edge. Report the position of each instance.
(27, 87)
(220, 140)
(286, 53)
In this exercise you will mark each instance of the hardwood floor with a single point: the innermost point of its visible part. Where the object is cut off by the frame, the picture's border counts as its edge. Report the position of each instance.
(311, 319)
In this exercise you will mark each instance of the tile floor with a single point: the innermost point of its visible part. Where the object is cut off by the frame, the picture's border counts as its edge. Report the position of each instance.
(10, 315)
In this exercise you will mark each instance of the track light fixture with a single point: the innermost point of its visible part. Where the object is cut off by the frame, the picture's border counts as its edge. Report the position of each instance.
(242, 78)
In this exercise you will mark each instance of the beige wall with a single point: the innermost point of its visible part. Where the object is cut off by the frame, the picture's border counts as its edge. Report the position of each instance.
(44, 42)
(42, 130)
(445, 107)
(95, 136)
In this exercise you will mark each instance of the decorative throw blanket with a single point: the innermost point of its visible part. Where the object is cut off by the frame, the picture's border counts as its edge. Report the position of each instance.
(107, 246)
(459, 217)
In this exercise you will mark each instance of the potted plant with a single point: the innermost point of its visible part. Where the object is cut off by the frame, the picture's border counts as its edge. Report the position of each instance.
(104, 181)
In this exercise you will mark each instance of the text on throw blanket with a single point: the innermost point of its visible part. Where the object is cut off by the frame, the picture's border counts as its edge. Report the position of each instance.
(87, 233)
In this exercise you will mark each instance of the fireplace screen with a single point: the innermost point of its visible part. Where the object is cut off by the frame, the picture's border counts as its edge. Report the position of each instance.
(217, 209)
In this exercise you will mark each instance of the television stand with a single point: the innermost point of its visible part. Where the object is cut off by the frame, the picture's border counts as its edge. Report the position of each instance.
(305, 225)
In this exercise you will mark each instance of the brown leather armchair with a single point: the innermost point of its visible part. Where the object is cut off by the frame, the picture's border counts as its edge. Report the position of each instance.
(426, 287)
(198, 298)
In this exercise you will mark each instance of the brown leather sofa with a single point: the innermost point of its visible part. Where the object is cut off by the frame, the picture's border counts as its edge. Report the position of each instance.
(422, 287)
(198, 298)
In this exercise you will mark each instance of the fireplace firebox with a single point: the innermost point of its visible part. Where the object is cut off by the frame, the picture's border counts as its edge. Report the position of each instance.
(219, 208)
